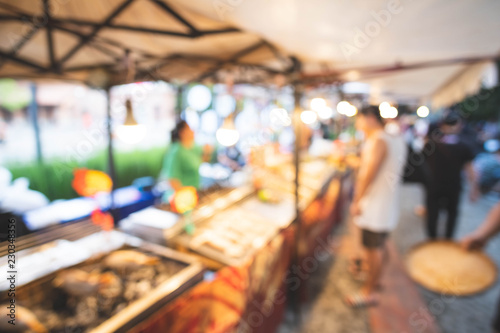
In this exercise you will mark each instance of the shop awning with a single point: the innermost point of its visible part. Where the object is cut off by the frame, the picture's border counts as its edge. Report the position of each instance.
(407, 50)
(410, 50)
(151, 39)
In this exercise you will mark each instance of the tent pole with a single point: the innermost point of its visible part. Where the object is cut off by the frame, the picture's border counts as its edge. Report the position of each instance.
(497, 65)
(179, 106)
(297, 93)
(342, 121)
(111, 161)
(33, 111)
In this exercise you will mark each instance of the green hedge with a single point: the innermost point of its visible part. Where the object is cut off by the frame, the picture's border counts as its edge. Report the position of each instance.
(53, 178)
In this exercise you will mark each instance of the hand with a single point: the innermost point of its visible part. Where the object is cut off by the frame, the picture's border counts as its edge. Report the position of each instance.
(175, 184)
(355, 209)
(473, 242)
(474, 194)
(352, 161)
(207, 153)
(207, 149)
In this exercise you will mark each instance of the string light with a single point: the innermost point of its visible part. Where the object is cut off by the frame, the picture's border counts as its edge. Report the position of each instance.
(227, 135)
(325, 112)
(130, 132)
(347, 109)
(384, 106)
(308, 117)
(317, 104)
(351, 111)
(343, 107)
(423, 111)
(389, 113)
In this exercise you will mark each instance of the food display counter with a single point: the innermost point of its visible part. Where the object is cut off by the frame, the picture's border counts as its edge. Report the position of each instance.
(245, 235)
(230, 237)
(109, 283)
(253, 242)
(159, 224)
(314, 175)
(246, 298)
(230, 224)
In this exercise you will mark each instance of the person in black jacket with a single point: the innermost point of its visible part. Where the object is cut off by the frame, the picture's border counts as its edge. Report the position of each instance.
(447, 155)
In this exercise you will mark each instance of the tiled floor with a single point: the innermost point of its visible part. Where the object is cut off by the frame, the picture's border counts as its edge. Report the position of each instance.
(404, 307)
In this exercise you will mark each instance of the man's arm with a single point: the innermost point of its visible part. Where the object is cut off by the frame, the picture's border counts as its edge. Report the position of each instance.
(489, 228)
(472, 180)
(207, 153)
(175, 184)
(368, 172)
(352, 161)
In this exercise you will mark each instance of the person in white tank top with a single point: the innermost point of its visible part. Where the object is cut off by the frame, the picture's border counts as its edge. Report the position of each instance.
(375, 206)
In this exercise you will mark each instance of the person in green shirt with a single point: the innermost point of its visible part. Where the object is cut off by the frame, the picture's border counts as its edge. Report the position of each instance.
(184, 157)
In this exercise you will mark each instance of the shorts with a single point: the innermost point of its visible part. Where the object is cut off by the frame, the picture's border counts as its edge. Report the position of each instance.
(372, 239)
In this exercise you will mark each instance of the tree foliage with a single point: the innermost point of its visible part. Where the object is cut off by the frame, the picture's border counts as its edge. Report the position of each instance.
(13, 97)
(485, 105)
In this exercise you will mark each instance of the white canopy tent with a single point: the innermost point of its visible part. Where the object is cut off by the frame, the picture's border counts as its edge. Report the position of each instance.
(431, 51)
(434, 51)
(151, 39)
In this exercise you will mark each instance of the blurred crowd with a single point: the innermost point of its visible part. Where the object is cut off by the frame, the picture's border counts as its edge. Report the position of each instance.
(443, 152)
(440, 153)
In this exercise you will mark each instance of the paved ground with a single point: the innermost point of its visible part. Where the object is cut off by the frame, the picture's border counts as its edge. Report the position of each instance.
(326, 313)
(454, 315)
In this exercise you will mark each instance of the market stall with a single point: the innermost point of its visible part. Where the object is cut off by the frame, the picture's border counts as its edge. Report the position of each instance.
(110, 282)
(240, 294)
(258, 241)
(243, 294)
